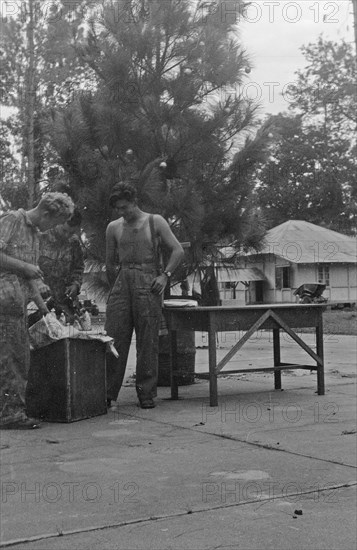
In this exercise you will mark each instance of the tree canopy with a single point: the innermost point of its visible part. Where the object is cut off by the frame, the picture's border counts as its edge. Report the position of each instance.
(40, 70)
(162, 113)
(311, 171)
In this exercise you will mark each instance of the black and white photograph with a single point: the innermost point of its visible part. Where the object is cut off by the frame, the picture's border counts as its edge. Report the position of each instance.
(178, 274)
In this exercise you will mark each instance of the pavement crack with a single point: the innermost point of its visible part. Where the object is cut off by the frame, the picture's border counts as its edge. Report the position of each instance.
(267, 446)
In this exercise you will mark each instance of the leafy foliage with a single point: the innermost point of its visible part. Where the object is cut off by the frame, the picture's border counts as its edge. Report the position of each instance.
(163, 115)
(143, 90)
(311, 171)
(11, 191)
(57, 73)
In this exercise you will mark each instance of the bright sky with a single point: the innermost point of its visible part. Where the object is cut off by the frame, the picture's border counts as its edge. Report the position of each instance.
(274, 30)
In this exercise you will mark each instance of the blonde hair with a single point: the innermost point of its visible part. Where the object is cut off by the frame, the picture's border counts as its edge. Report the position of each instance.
(57, 204)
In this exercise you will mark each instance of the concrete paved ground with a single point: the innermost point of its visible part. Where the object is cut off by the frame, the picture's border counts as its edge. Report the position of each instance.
(265, 469)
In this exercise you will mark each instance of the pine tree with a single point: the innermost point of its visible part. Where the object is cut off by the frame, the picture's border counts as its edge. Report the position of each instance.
(165, 113)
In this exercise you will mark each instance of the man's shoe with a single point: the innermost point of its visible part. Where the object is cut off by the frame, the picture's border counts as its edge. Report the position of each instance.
(147, 404)
(112, 405)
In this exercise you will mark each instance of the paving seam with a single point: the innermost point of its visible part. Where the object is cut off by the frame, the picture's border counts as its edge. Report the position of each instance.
(227, 437)
(160, 517)
(193, 511)
(252, 443)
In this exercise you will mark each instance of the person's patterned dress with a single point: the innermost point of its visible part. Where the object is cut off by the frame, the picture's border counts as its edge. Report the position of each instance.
(19, 238)
(61, 261)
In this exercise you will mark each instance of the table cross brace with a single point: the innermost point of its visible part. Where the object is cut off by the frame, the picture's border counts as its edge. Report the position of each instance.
(281, 324)
(242, 341)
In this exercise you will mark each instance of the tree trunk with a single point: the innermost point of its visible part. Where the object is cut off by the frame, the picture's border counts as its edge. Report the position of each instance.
(209, 288)
(30, 108)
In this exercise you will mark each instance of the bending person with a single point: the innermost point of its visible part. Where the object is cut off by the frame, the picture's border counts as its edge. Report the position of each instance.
(19, 275)
(135, 300)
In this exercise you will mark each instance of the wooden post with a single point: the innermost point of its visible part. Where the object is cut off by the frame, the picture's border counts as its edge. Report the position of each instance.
(212, 360)
(277, 359)
(174, 384)
(320, 353)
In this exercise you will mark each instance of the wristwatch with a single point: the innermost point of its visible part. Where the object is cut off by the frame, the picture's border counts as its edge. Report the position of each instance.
(167, 273)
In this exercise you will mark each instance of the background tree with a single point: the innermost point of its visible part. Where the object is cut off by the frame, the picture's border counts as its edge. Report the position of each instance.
(164, 113)
(40, 69)
(138, 89)
(311, 171)
(9, 168)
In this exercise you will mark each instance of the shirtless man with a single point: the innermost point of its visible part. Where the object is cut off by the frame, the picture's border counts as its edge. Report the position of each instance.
(135, 300)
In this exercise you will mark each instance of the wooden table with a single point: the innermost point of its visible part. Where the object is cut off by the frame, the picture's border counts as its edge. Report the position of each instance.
(286, 317)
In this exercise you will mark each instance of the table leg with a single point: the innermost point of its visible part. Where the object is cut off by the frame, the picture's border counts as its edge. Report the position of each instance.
(174, 385)
(320, 353)
(277, 358)
(212, 360)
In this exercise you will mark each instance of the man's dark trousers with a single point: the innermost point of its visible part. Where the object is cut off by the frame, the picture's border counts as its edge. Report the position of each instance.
(132, 305)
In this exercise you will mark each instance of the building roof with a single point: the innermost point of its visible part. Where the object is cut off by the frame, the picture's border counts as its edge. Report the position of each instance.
(302, 242)
(227, 274)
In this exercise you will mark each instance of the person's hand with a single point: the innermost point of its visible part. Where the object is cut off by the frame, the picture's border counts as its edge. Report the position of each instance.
(43, 309)
(31, 271)
(158, 284)
(44, 289)
(72, 291)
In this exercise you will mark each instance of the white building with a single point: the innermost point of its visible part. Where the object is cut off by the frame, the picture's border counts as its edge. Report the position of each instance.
(294, 253)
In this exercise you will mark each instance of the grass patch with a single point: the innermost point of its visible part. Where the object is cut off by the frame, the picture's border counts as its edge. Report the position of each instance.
(340, 321)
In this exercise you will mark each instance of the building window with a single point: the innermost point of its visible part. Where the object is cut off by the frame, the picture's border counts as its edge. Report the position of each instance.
(230, 284)
(282, 277)
(323, 274)
(226, 285)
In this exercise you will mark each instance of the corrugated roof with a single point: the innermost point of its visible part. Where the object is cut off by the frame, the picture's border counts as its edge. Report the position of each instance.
(233, 275)
(298, 241)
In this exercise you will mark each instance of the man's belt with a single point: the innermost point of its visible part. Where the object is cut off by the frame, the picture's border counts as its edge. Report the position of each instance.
(133, 265)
